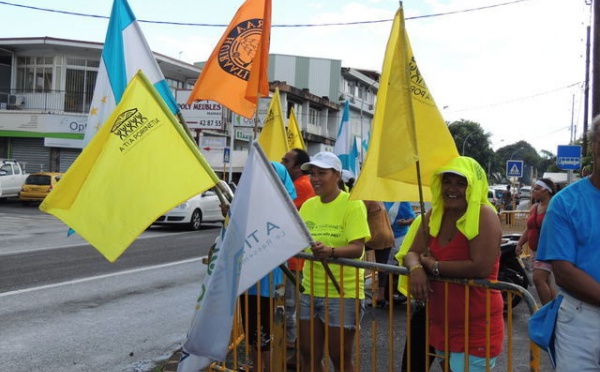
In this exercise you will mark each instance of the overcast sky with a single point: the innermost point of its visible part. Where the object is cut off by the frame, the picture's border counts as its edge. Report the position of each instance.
(517, 69)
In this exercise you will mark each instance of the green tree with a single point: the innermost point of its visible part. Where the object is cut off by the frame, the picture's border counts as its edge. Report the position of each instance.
(471, 140)
(521, 150)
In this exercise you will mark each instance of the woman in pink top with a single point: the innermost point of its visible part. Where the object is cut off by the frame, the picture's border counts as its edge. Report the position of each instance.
(463, 241)
(542, 271)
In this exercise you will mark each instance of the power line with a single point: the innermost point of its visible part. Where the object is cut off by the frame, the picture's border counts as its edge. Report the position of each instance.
(275, 25)
(517, 99)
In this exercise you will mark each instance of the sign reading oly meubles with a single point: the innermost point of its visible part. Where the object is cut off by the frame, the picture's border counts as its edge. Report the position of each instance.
(201, 114)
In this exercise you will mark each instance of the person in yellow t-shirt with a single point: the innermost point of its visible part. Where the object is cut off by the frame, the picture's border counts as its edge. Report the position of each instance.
(339, 227)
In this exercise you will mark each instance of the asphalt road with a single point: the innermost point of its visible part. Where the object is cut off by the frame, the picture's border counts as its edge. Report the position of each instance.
(66, 308)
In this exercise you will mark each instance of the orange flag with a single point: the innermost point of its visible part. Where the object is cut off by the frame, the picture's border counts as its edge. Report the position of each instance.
(236, 72)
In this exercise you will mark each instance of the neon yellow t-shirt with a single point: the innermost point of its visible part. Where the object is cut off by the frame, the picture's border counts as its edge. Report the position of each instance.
(335, 224)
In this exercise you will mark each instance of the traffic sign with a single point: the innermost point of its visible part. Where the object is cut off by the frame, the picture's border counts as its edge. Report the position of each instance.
(514, 168)
(568, 157)
(226, 154)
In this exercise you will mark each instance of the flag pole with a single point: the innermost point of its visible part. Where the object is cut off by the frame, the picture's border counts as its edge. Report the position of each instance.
(402, 36)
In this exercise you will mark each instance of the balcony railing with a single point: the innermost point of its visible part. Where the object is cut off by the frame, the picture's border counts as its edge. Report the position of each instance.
(58, 101)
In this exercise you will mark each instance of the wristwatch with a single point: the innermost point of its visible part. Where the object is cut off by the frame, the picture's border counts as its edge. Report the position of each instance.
(436, 268)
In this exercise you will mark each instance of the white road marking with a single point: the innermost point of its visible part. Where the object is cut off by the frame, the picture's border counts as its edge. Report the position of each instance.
(104, 276)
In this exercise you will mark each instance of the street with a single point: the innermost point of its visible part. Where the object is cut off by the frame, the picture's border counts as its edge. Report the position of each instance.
(66, 308)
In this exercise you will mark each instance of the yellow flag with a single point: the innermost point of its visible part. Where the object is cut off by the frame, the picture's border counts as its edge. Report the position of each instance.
(137, 167)
(407, 126)
(273, 138)
(294, 136)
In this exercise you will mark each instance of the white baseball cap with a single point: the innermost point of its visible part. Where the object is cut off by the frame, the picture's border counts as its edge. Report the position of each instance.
(325, 160)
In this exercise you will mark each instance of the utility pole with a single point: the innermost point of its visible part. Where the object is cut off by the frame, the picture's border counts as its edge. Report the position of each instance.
(596, 58)
(586, 91)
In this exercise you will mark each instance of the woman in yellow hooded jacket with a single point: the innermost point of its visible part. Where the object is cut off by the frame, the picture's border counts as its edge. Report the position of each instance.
(463, 241)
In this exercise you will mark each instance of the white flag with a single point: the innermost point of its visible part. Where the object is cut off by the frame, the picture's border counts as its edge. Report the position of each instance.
(264, 231)
(125, 52)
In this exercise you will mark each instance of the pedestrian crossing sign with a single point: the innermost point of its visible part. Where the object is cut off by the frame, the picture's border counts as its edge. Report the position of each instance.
(514, 168)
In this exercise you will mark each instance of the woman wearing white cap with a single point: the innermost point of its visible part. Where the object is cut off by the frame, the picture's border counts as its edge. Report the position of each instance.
(339, 228)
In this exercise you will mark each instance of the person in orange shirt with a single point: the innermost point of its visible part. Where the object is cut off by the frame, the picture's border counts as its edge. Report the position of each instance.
(292, 160)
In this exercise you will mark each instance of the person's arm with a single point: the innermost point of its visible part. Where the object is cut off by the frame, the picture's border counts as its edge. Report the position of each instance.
(484, 250)
(524, 236)
(404, 221)
(577, 282)
(354, 249)
(419, 284)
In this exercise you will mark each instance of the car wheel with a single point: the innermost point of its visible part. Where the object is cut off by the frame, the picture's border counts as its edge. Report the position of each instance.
(196, 220)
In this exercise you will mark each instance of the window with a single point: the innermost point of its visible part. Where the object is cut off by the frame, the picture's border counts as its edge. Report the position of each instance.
(313, 116)
(34, 74)
(174, 85)
(80, 81)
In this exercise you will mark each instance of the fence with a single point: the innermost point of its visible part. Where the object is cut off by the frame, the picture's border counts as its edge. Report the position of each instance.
(380, 343)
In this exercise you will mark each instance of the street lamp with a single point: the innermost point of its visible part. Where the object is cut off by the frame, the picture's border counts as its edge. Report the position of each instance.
(514, 152)
(465, 142)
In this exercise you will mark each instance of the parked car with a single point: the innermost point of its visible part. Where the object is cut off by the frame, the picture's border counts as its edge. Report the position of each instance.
(12, 177)
(192, 213)
(525, 192)
(495, 197)
(37, 186)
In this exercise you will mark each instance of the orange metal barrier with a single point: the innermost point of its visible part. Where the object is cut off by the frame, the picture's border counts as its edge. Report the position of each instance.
(513, 222)
(383, 332)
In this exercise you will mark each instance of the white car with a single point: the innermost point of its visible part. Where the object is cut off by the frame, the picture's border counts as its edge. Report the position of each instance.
(191, 214)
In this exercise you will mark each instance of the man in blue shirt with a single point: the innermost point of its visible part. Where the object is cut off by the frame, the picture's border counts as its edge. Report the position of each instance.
(570, 240)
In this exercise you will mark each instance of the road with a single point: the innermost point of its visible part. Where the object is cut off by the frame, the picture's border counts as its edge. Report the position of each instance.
(65, 308)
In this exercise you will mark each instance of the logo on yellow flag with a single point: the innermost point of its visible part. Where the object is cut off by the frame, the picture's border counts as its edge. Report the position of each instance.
(130, 126)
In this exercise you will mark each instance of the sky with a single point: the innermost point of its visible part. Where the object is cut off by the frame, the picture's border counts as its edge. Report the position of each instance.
(516, 67)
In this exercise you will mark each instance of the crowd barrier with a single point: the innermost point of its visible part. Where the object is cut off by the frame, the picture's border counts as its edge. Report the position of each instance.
(380, 342)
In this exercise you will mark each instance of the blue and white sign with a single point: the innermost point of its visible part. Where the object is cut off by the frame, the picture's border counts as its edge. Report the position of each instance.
(568, 157)
(514, 168)
(226, 155)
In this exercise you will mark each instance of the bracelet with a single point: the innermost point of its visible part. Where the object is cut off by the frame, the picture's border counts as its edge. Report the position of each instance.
(332, 253)
(415, 267)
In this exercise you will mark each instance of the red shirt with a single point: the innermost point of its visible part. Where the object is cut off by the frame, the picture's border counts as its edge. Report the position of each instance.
(458, 250)
(534, 225)
(304, 191)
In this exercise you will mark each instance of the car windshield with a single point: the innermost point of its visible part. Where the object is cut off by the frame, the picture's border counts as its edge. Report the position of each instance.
(38, 179)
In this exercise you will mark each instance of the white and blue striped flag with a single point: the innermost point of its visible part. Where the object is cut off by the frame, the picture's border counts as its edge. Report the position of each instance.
(343, 147)
(264, 231)
(125, 52)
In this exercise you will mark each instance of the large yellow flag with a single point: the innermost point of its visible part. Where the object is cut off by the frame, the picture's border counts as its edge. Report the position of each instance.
(137, 167)
(407, 126)
(294, 135)
(235, 74)
(273, 138)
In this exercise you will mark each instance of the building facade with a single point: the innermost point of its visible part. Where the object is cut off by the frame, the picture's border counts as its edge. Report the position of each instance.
(46, 86)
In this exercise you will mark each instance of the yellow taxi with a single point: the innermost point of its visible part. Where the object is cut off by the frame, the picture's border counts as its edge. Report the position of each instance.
(37, 186)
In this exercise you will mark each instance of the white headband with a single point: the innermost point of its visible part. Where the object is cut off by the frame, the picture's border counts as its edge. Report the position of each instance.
(543, 185)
